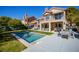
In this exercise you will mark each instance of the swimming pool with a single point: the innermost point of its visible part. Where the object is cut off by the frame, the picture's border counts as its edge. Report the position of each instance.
(29, 36)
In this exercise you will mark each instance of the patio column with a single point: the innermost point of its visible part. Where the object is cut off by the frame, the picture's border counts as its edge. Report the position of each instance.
(49, 26)
(64, 25)
(40, 26)
(64, 15)
(65, 22)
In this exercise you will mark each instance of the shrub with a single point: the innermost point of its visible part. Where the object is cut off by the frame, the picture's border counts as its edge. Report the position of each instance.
(77, 23)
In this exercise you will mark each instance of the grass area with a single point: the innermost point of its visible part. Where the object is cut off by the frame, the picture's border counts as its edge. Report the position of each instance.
(8, 43)
(41, 32)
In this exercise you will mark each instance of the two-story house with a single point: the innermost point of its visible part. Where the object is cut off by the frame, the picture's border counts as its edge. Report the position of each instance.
(53, 19)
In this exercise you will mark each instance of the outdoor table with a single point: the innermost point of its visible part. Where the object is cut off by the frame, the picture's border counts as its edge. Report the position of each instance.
(65, 34)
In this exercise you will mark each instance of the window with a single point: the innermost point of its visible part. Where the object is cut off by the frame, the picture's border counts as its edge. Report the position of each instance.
(47, 17)
(58, 16)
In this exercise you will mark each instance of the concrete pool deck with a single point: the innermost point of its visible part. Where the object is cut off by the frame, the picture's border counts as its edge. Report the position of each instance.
(54, 43)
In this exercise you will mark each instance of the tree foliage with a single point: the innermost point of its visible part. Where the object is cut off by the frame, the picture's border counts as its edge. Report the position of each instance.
(14, 23)
(4, 20)
(71, 14)
(7, 22)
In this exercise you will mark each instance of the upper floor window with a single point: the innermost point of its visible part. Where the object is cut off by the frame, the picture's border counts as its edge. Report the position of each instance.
(47, 17)
(58, 16)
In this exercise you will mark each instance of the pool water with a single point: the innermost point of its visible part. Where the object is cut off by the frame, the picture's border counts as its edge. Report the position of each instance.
(29, 36)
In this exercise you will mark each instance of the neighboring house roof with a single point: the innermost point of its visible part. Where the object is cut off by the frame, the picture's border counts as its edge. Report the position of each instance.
(29, 20)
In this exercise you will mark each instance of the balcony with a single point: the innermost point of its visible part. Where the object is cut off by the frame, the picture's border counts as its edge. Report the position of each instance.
(52, 20)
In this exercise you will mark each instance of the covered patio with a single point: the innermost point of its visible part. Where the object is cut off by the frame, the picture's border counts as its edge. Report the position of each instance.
(51, 26)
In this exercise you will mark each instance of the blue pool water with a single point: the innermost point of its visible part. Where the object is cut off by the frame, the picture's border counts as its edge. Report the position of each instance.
(29, 36)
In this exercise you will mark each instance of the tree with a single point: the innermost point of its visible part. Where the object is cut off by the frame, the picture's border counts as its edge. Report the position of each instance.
(4, 20)
(71, 13)
(76, 20)
(14, 23)
(3, 24)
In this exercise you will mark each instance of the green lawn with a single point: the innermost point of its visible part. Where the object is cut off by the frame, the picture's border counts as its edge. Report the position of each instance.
(10, 44)
(41, 32)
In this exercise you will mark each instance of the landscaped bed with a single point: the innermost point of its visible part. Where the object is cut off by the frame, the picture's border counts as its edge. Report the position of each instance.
(8, 43)
(41, 32)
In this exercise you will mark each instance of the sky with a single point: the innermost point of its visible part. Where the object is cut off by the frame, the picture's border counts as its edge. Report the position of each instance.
(19, 11)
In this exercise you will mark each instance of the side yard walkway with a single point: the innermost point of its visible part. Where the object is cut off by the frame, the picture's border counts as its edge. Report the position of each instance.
(54, 43)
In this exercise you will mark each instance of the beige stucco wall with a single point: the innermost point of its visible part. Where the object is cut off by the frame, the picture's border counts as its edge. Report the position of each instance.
(52, 20)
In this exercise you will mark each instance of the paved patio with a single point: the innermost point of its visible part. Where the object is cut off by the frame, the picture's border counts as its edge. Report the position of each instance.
(54, 43)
